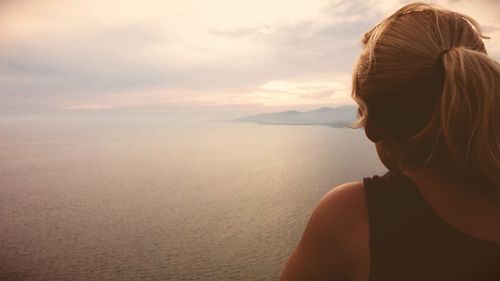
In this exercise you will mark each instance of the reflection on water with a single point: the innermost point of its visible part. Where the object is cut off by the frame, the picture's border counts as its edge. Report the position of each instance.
(146, 198)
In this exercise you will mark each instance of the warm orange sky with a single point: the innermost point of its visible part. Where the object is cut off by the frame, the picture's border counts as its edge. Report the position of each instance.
(260, 54)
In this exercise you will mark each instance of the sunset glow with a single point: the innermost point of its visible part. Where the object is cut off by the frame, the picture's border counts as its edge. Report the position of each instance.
(88, 55)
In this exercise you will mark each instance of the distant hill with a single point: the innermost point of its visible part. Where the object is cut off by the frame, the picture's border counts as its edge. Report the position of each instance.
(334, 117)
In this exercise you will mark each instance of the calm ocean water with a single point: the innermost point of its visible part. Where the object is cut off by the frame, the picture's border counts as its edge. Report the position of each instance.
(152, 198)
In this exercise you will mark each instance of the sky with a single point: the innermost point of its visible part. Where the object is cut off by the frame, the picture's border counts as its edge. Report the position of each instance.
(234, 55)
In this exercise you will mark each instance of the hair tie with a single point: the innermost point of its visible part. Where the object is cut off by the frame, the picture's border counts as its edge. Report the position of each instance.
(440, 56)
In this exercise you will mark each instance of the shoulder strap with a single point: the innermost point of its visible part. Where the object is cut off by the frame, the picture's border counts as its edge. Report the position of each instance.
(390, 199)
(393, 210)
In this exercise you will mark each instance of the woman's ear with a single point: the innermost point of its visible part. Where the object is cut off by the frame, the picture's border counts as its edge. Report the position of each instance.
(372, 131)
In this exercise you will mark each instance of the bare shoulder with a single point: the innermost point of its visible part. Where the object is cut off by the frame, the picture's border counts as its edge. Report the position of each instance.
(335, 241)
(343, 205)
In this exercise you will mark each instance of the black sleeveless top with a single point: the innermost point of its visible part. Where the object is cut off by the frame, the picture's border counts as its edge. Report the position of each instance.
(409, 241)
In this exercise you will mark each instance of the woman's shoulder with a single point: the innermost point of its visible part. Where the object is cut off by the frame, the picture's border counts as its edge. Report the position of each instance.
(344, 205)
(345, 211)
(336, 239)
(341, 219)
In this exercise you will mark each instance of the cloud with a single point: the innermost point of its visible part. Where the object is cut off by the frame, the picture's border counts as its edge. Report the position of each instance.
(88, 107)
(72, 54)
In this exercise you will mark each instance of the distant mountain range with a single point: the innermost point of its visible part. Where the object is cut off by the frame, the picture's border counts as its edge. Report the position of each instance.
(337, 117)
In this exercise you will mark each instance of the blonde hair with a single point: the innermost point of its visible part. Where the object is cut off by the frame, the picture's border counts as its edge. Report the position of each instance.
(424, 78)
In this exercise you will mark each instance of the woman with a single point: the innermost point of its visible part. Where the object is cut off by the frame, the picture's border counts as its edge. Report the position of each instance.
(429, 98)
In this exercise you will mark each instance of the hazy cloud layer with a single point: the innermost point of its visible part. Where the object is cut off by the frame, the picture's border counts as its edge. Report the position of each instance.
(111, 54)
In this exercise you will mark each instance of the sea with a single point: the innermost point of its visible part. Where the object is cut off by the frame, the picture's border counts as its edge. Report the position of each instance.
(153, 197)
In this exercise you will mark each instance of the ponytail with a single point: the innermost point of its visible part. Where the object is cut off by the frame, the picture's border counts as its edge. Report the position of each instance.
(467, 115)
